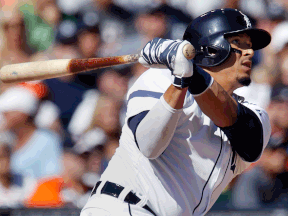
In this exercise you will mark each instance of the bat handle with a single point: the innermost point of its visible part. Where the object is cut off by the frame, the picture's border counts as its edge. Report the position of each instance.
(188, 52)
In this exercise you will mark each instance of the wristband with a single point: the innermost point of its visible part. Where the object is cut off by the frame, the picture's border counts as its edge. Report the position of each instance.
(200, 82)
(181, 82)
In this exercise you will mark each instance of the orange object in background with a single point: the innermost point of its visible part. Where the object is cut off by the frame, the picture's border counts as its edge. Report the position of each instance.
(38, 88)
(46, 194)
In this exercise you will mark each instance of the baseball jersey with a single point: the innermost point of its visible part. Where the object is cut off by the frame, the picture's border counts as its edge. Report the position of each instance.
(188, 177)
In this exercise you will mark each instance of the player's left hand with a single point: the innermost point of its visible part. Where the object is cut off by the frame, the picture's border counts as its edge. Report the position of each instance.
(161, 53)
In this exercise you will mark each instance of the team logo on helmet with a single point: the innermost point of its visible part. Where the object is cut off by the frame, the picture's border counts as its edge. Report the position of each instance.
(247, 20)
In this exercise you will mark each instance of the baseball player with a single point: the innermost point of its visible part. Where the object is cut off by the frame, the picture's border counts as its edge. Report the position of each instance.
(186, 134)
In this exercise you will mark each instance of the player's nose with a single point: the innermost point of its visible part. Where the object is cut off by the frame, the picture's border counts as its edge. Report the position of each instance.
(248, 52)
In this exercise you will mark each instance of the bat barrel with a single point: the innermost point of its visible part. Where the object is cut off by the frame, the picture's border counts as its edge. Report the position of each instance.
(33, 70)
(61, 67)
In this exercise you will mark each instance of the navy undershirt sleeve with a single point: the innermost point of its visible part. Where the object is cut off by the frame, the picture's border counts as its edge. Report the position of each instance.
(246, 134)
(134, 121)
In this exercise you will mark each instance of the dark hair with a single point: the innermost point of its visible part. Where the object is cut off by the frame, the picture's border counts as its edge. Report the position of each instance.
(6, 148)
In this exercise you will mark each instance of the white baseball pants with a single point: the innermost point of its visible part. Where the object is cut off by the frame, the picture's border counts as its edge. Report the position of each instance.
(105, 205)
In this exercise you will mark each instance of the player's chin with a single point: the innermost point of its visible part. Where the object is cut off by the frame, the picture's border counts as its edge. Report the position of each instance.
(244, 81)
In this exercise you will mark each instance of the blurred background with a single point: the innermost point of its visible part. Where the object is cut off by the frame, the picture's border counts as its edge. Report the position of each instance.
(58, 135)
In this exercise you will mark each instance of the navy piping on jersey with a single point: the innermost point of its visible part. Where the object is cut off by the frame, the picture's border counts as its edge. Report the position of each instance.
(134, 121)
(226, 169)
(144, 93)
(223, 175)
(209, 175)
(129, 209)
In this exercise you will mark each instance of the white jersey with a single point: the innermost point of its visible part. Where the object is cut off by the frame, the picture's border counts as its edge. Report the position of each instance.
(188, 177)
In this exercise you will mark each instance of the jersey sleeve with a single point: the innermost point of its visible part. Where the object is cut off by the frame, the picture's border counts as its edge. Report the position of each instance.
(264, 119)
(266, 127)
(147, 90)
(250, 133)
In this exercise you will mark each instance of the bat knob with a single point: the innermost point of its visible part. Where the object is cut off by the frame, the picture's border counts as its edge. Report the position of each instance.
(189, 51)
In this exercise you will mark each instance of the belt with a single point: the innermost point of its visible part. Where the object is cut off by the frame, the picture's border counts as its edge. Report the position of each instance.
(114, 190)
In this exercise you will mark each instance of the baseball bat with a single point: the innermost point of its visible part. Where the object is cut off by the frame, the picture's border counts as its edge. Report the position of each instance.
(40, 70)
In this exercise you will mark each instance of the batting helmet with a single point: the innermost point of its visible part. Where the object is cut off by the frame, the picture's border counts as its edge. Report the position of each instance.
(208, 33)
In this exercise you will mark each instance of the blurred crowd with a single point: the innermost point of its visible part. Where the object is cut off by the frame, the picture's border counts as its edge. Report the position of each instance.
(58, 135)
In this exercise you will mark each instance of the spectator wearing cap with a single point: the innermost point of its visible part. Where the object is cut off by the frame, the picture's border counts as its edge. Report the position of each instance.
(115, 21)
(68, 92)
(36, 152)
(64, 91)
(88, 44)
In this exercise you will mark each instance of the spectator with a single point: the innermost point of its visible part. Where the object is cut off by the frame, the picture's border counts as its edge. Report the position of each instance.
(36, 152)
(278, 114)
(15, 49)
(14, 188)
(98, 113)
(65, 92)
(113, 84)
(107, 116)
(280, 47)
(74, 192)
(147, 26)
(41, 18)
(88, 37)
(116, 22)
(93, 153)
(177, 18)
(265, 184)
(89, 43)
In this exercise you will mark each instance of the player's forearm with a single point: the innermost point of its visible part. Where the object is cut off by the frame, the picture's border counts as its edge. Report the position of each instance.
(156, 130)
(218, 105)
(175, 96)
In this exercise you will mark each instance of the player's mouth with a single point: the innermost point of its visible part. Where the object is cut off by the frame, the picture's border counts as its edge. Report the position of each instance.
(247, 64)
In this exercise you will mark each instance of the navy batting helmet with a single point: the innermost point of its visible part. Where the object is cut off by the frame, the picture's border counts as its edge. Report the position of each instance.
(208, 33)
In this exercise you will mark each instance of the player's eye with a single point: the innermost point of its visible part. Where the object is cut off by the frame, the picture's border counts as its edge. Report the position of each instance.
(235, 41)
(249, 45)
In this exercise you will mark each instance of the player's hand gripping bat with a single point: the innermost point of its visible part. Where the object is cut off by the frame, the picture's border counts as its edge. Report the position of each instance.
(40, 70)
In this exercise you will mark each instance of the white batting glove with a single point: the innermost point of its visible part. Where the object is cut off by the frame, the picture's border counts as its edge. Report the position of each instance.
(160, 53)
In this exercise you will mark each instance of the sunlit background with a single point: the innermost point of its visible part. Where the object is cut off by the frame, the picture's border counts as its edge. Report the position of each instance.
(58, 135)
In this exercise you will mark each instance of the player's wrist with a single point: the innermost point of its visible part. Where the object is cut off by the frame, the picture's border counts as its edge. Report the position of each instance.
(200, 82)
(181, 82)
(182, 68)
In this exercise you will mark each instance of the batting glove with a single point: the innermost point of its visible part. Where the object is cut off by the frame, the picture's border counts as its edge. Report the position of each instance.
(161, 53)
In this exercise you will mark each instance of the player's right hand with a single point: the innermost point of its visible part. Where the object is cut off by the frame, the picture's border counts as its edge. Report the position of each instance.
(159, 53)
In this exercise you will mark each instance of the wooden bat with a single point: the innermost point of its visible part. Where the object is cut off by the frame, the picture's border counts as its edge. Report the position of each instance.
(40, 70)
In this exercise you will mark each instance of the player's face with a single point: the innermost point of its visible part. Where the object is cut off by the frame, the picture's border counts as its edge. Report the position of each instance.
(241, 69)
